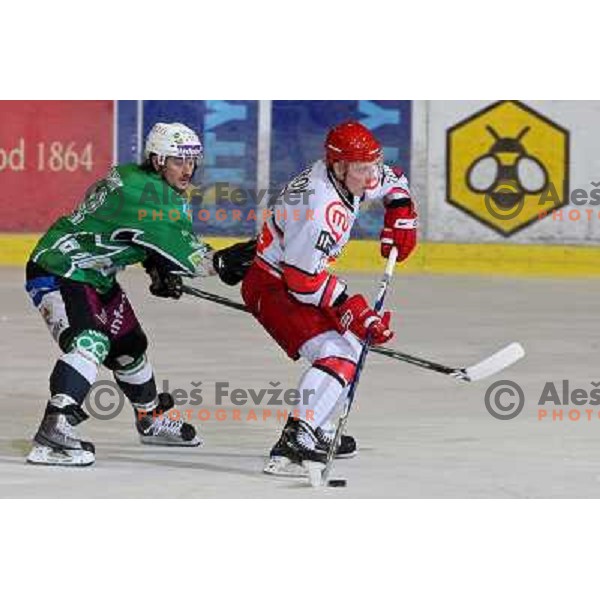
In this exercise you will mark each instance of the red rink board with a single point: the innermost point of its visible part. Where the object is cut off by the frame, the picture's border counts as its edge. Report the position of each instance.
(50, 153)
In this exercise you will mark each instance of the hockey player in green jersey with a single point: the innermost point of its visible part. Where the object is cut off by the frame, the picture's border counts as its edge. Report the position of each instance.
(70, 278)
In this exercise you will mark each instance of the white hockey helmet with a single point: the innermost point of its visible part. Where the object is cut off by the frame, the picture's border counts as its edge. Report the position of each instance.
(172, 139)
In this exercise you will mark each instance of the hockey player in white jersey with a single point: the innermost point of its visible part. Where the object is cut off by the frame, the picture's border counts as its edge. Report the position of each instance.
(308, 310)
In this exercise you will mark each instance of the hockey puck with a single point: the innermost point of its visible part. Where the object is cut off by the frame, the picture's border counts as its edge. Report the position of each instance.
(337, 483)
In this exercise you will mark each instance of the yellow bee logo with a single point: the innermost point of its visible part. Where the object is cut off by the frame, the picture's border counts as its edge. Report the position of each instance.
(506, 164)
(506, 174)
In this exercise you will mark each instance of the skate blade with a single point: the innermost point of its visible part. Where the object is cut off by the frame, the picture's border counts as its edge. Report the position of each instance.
(281, 466)
(152, 440)
(347, 455)
(44, 455)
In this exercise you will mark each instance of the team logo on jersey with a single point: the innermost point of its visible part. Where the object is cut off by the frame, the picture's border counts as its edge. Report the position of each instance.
(338, 219)
(325, 242)
(300, 182)
(507, 166)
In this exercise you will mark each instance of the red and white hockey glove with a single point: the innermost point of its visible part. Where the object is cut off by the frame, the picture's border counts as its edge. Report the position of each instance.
(356, 315)
(400, 230)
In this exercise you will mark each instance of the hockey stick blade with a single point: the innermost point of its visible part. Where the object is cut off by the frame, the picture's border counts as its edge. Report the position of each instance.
(492, 364)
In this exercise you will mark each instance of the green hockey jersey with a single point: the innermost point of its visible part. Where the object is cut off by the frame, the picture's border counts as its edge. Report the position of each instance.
(122, 219)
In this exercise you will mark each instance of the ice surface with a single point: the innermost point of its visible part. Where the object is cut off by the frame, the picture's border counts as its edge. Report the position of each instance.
(420, 434)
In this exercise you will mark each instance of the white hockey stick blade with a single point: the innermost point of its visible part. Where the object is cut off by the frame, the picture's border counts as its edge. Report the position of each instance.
(495, 363)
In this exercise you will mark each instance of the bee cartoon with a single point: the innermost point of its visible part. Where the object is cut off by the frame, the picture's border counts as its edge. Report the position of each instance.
(505, 174)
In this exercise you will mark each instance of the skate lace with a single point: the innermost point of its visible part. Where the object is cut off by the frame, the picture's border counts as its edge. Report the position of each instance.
(306, 440)
(164, 425)
(326, 435)
(66, 429)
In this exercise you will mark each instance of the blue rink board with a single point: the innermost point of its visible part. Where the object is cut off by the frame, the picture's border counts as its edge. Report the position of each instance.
(299, 128)
(229, 131)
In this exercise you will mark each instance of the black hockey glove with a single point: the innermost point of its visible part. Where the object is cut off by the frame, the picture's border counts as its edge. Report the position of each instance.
(232, 263)
(163, 283)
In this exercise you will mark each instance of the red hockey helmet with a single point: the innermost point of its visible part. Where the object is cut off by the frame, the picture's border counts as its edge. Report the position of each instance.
(352, 142)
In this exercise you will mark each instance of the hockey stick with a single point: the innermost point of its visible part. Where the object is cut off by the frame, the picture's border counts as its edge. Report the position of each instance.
(485, 368)
(383, 287)
(192, 291)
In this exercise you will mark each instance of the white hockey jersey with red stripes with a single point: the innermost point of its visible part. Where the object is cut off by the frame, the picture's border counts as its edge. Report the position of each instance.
(309, 226)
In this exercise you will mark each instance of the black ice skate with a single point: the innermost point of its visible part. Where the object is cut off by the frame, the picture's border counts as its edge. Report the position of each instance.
(279, 464)
(346, 446)
(297, 446)
(156, 428)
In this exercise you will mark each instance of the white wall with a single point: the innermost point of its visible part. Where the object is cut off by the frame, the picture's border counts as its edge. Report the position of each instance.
(444, 222)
